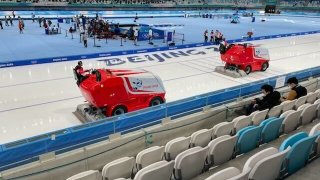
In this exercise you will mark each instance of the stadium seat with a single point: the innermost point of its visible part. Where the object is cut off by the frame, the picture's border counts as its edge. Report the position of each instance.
(241, 122)
(291, 121)
(318, 93)
(302, 100)
(298, 155)
(287, 105)
(275, 111)
(161, 170)
(230, 173)
(87, 175)
(175, 147)
(271, 130)
(308, 113)
(312, 97)
(149, 156)
(248, 139)
(317, 101)
(259, 117)
(120, 168)
(221, 149)
(224, 128)
(316, 131)
(200, 138)
(268, 160)
(190, 163)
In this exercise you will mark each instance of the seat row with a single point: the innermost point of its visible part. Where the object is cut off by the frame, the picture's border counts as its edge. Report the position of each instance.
(293, 154)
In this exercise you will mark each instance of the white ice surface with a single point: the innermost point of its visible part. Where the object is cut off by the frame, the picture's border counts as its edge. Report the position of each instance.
(41, 98)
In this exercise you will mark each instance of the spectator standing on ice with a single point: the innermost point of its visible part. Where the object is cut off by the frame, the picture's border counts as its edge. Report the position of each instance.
(6, 20)
(20, 25)
(135, 36)
(10, 19)
(211, 36)
(1, 24)
(13, 14)
(150, 35)
(85, 39)
(39, 21)
(205, 36)
(33, 16)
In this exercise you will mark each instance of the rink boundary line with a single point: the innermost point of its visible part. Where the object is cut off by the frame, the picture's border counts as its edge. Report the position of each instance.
(138, 51)
(35, 82)
(39, 104)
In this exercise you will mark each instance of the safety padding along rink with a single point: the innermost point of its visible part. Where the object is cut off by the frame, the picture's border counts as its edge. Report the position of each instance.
(118, 53)
(28, 150)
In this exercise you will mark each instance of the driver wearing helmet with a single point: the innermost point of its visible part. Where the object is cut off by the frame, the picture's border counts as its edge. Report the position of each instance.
(80, 73)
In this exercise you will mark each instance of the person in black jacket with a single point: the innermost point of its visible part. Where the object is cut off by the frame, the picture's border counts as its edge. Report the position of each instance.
(271, 99)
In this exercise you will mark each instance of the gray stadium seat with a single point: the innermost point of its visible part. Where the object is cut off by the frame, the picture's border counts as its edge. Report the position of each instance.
(312, 97)
(287, 105)
(120, 168)
(161, 170)
(200, 138)
(223, 128)
(87, 175)
(230, 173)
(316, 130)
(291, 121)
(302, 100)
(308, 113)
(241, 122)
(268, 160)
(175, 147)
(275, 111)
(190, 163)
(221, 149)
(259, 117)
(149, 156)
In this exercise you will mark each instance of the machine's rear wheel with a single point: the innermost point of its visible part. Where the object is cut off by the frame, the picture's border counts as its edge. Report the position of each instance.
(248, 70)
(264, 66)
(119, 110)
(156, 101)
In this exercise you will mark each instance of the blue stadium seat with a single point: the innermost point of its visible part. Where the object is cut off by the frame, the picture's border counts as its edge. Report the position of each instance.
(298, 155)
(271, 130)
(248, 138)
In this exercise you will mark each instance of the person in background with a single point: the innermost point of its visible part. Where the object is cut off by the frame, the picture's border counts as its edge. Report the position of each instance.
(135, 36)
(20, 25)
(33, 16)
(270, 99)
(85, 39)
(205, 34)
(11, 22)
(150, 35)
(1, 24)
(296, 91)
(211, 36)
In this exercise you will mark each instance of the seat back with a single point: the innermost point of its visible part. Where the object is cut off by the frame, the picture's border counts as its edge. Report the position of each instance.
(190, 163)
(298, 155)
(87, 175)
(271, 130)
(308, 114)
(291, 121)
(259, 117)
(120, 168)
(161, 170)
(241, 122)
(224, 174)
(275, 111)
(175, 147)
(318, 93)
(248, 139)
(288, 105)
(242, 176)
(302, 100)
(221, 149)
(200, 138)
(311, 97)
(224, 128)
(149, 156)
(315, 131)
(271, 164)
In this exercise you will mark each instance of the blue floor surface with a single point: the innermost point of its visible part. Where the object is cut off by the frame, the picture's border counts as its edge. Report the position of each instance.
(34, 44)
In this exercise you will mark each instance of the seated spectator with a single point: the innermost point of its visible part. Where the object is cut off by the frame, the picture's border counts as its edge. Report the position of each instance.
(271, 99)
(296, 91)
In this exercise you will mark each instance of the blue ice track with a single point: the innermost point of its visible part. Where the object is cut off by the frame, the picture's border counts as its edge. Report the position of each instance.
(34, 47)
